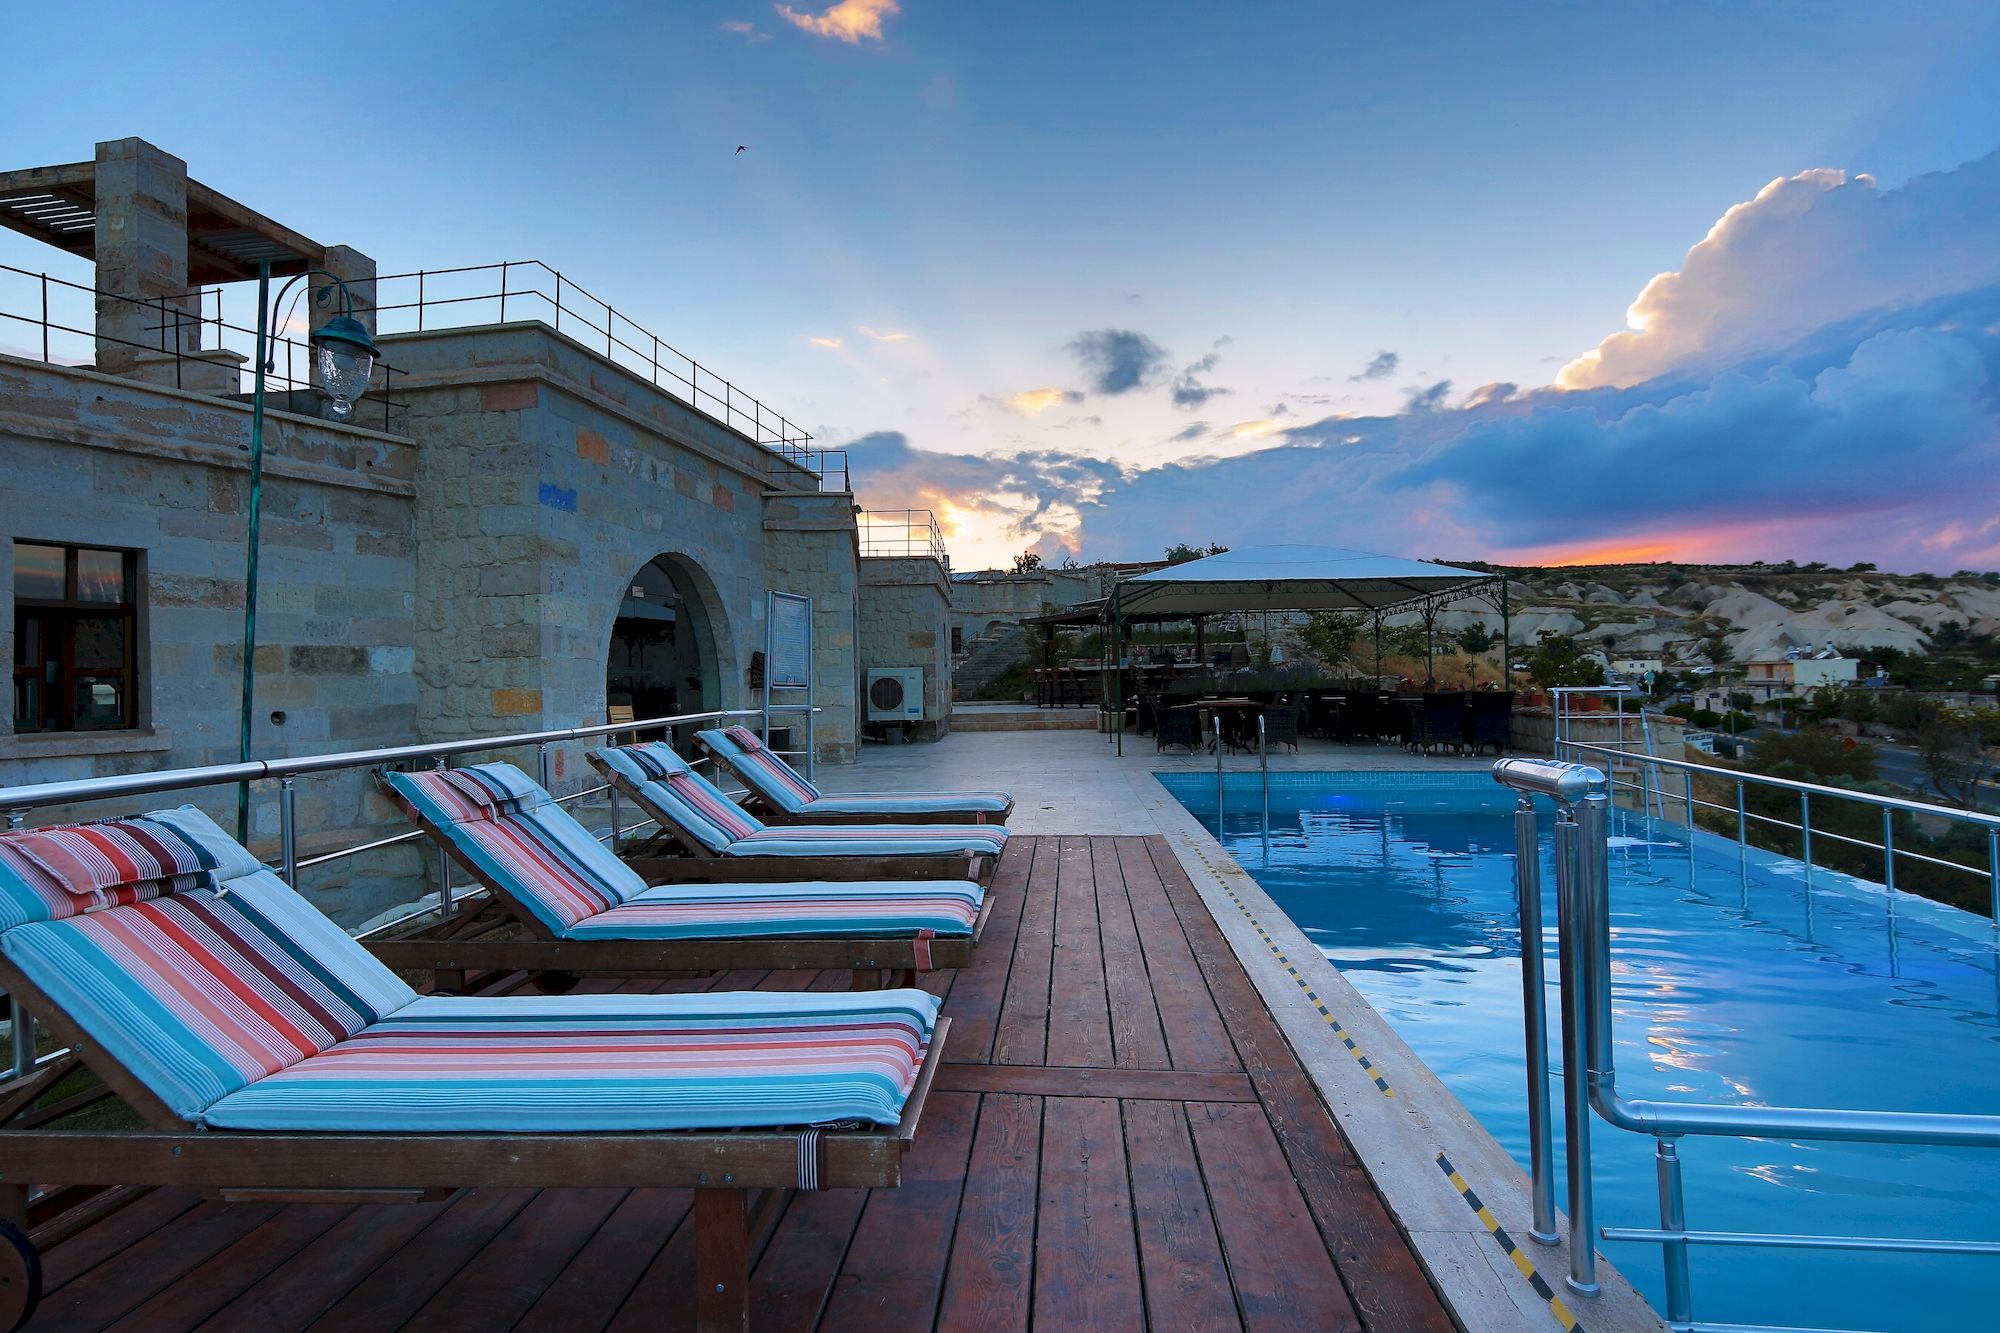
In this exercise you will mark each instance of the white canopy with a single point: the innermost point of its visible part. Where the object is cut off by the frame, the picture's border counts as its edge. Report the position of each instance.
(1289, 578)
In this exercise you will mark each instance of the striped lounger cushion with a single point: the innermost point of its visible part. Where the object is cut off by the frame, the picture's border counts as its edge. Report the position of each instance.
(241, 1006)
(690, 803)
(776, 781)
(520, 839)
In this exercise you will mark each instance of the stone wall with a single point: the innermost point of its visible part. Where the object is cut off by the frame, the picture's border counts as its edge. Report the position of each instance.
(905, 621)
(90, 459)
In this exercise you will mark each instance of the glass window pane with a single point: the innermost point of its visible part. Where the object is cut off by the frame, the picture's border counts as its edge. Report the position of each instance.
(100, 703)
(28, 696)
(100, 642)
(38, 571)
(100, 576)
(27, 640)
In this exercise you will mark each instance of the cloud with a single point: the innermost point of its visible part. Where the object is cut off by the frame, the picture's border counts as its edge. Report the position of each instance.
(1011, 499)
(1807, 251)
(1497, 392)
(745, 29)
(1188, 392)
(825, 342)
(1383, 366)
(1427, 400)
(1032, 403)
(847, 21)
(1118, 360)
(1194, 430)
(879, 336)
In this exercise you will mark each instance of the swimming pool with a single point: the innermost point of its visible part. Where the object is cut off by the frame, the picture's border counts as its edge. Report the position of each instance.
(1734, 985)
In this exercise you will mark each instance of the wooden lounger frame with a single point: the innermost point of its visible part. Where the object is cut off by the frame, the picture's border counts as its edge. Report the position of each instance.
(291, 1167)
(485, 935)
(754, 802)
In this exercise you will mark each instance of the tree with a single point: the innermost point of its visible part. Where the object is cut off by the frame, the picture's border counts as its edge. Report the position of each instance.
(1028, 562)
(1559, 659)
(1180, 552)
(1957, 759)
(1331, 636)
(1475, 639)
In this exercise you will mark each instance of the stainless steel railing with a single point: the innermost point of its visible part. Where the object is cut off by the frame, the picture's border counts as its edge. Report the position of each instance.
(1583, 917)
(17, 802)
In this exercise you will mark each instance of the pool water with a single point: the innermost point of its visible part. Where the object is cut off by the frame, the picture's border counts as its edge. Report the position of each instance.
(1731, 984)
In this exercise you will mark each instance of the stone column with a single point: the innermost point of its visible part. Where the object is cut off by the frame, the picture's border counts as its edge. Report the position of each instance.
(358, 272)
(142, 256)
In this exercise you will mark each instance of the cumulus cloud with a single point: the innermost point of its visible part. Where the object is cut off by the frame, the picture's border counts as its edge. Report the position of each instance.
(1428, 399)
(1118, 360)
(1026, 496)
(1806, 251)
(1032, 403)
(848, 21)
(1497, 392)
(1380, 368)
(1189, 392)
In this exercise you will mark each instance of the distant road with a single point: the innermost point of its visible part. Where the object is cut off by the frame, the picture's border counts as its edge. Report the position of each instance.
(1903, 766)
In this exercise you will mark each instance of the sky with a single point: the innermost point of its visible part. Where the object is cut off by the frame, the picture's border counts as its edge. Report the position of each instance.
(1538, 282)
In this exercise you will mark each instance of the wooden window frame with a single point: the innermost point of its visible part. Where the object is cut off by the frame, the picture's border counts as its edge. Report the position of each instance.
(60, 617)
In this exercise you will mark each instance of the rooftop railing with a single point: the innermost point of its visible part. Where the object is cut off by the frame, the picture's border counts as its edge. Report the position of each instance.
(903, 532)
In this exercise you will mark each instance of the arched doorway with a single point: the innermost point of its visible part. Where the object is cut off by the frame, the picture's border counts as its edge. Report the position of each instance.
(662, 657)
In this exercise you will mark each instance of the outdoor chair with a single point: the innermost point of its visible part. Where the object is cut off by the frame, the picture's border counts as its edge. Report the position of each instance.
(717, 837)
(1281, 726)
(1176, 726)
(1489, 720)
(586, 911)
(1440, 722)
(782, 794)
(273, 1060)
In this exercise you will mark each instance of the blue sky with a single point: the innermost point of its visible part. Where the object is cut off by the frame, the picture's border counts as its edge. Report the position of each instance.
(1265, 198)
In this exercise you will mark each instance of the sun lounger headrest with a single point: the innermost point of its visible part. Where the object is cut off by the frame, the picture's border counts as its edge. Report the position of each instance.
(657, 760)
(760, 767)
(475, 792)
(68, 870)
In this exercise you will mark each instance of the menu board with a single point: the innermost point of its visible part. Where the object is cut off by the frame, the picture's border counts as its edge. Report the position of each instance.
(789, 634)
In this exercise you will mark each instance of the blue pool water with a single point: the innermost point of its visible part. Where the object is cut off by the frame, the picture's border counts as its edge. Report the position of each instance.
(1738, 987)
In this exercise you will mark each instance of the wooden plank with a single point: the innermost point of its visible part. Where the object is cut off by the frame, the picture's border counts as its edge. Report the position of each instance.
(307, 1284)
(721, 1261)
(500, 1283)
(1171, 1085)
(989, 1283)
(1278, 1264)
(1196, 1036)
(978, 989)
(233, 1270)
(1079, 1012)
(792, 1283)
(112, 1236)
(1180, 1255)
(895, 1265)
(1086, 1256)
(597, 1280)
(1382, 1276)
(1137, 1039)
(396, 1289)
(1022, 1036)
(125, 1281)
(663, 1297)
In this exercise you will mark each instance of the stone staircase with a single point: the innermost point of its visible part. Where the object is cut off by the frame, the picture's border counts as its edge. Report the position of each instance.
(983, 660)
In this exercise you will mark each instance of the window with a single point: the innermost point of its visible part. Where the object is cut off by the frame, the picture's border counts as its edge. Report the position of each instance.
(74, 637)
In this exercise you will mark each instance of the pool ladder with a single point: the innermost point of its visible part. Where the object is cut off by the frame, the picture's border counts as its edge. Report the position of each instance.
(1582, 866)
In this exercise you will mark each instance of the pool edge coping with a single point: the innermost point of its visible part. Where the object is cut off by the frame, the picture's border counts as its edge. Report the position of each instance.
(1407, 1128)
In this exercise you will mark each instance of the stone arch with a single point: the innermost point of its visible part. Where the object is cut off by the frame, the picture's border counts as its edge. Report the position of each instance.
(668, 648)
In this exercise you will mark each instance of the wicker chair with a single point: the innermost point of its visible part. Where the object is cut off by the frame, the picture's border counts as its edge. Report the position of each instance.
(1281, 726)
(1176, 726)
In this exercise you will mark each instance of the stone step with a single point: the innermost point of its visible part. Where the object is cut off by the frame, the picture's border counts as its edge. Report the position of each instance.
(1023, 718)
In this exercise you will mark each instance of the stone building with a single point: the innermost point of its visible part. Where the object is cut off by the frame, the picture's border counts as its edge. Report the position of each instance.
(514, 532)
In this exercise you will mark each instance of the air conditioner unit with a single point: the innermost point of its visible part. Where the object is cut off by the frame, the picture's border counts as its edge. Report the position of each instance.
(895, 694)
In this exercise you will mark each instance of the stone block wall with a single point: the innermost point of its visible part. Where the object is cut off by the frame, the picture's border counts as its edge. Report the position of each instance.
(95, 460)
(905, 621)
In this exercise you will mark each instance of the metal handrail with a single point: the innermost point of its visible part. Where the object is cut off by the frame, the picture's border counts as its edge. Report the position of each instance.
(1583, 914)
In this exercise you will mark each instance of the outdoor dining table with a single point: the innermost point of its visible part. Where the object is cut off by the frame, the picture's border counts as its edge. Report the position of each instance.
(1239, 719)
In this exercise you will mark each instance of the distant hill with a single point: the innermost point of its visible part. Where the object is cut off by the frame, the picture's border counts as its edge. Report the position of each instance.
(1758, 611)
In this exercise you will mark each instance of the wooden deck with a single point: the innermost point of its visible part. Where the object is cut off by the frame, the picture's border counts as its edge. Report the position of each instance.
(1120, 1139)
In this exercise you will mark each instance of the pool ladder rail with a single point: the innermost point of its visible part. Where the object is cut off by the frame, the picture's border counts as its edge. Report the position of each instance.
(1582, 868)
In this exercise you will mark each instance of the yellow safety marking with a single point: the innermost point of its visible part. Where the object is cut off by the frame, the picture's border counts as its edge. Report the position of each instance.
(1507, 1245)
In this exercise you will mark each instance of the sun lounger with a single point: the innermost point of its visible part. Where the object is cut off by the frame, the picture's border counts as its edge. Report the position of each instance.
(276, 1061)
(782, 795)
(587, 911)
(695, 815)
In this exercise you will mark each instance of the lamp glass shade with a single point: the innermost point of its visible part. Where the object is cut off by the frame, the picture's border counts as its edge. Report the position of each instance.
(346, 357)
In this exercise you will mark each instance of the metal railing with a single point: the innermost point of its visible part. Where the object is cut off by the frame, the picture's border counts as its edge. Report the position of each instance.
(18, 802)
(56, 322)
(519, 289)
(1583, 918)
(903, 532)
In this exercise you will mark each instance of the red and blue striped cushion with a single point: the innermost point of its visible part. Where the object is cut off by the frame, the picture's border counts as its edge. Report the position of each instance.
(65, 870)
(874, 840)
(837, 910)
(766, 773)
(605, 1063)
(754, 762)
(518, 840)
(675, 795)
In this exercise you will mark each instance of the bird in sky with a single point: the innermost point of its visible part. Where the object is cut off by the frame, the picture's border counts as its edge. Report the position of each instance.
(740, 148)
